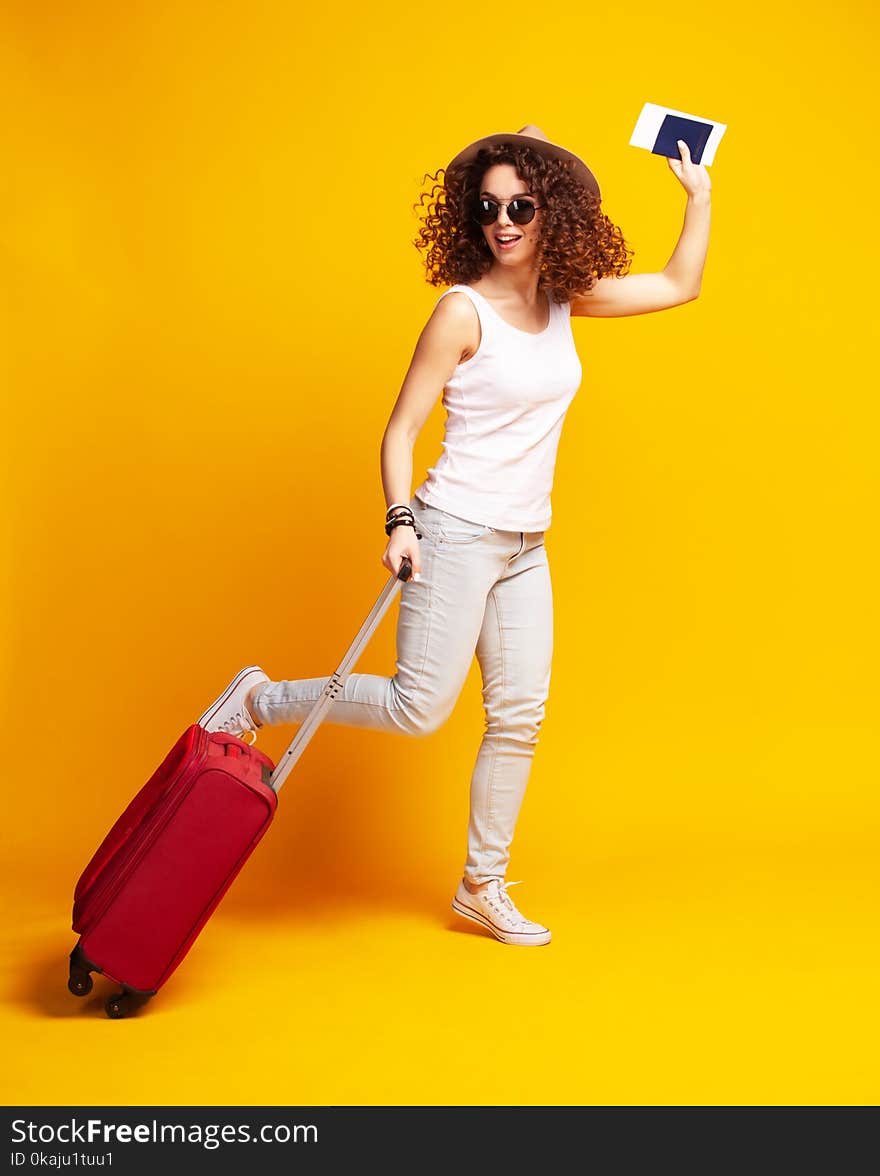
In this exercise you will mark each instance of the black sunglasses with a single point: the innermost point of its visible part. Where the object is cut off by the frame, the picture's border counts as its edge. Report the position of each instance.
(520, 211)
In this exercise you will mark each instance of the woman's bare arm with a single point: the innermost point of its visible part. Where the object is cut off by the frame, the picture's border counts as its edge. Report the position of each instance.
(681, 278)
(445, 340)
(447, 335)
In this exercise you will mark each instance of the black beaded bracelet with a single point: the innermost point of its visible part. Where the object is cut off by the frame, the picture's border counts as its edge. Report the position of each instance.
(401, 521)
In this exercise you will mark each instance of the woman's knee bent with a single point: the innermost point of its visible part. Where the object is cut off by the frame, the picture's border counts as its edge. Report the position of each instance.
(424, 716)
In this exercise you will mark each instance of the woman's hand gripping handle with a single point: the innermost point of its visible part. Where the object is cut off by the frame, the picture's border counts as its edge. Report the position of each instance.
(402, 555)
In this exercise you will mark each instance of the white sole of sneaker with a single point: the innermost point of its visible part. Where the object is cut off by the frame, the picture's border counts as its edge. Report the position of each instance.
(215, 706)
(516, 938)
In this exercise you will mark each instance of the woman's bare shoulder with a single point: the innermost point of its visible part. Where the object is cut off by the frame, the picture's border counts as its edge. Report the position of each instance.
(456, 317)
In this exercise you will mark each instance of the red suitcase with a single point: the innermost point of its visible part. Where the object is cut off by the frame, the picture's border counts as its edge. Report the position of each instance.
(159, 873)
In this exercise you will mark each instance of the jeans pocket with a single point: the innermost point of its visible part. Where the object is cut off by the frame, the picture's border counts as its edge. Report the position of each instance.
(457, 530)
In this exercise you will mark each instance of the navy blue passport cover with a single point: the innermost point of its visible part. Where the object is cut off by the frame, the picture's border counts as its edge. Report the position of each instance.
(695, 134)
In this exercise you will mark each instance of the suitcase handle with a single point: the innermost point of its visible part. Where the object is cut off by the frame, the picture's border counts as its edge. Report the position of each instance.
(337, 680)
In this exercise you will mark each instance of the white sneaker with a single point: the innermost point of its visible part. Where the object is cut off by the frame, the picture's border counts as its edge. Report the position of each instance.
(492, 907)
(229, 713)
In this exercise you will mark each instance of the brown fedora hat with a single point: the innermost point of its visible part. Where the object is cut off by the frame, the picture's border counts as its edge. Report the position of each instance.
(534, 137)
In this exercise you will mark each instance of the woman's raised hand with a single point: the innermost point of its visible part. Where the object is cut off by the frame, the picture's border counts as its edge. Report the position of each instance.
(694, 177)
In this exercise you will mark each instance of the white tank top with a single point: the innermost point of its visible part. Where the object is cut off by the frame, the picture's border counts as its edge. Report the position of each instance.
(505, 407)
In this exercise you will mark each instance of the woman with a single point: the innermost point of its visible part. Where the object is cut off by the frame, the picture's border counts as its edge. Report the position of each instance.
(518, 233)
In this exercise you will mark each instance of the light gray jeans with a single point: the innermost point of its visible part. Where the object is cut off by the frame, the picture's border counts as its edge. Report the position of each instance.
(482, 591)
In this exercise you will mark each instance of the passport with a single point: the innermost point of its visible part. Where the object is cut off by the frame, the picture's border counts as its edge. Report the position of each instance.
(658, 127)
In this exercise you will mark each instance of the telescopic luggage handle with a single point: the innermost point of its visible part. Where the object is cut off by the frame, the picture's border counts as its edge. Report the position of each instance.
(337, 680)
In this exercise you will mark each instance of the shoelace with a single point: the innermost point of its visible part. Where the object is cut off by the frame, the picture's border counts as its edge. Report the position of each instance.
(506, 901)
(240, 719)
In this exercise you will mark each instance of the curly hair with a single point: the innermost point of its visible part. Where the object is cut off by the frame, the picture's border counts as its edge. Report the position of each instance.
(578, 243)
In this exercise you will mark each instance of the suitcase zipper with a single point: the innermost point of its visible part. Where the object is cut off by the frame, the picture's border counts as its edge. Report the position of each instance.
(105, 894)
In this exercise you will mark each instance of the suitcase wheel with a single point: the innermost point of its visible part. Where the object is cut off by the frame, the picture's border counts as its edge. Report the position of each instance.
(79, 982)
(121, 1004)
(117, 1006)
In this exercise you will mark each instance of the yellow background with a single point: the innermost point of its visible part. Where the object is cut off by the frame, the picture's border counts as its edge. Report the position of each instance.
(210, 298)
